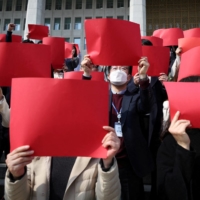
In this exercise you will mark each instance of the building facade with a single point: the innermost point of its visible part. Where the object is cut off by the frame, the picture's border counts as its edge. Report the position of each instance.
(65, 18)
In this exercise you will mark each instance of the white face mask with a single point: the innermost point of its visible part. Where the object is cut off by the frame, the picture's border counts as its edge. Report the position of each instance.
(118, 77)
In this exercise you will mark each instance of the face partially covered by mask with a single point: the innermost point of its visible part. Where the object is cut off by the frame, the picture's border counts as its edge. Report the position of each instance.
(118, 77)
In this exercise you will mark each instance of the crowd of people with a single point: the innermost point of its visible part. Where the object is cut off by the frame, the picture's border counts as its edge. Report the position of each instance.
(140, 140)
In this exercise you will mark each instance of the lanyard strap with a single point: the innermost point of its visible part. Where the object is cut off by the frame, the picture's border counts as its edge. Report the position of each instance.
(118, 113)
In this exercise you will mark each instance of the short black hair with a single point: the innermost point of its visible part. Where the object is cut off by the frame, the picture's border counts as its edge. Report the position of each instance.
(190, 79)
(28, 41)
(129, 69)
(146, 42)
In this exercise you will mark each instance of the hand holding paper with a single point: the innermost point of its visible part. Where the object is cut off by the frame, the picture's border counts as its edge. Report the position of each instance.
(178, 131)
(18, 159)
(112, 143)
(163, 77)
(143, 67)
(86, 65)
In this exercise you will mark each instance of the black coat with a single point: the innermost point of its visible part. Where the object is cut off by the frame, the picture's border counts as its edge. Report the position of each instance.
(72, 64)
(156, 113)
(179, 169)
(137, 149)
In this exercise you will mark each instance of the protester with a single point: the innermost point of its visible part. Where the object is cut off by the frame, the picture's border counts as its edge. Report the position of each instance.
(72, 63)
(63, 177)
(134, 158)
(178, 160)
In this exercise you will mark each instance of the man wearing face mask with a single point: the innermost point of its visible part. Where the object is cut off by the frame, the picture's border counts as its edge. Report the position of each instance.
(134, 158)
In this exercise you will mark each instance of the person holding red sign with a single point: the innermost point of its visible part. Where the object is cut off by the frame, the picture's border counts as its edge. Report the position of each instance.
(64, 178)
(151, 122)
(134, 158)
(178, 159)
(72, 63)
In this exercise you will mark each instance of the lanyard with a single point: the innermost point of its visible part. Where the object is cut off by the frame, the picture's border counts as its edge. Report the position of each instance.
(118, 113)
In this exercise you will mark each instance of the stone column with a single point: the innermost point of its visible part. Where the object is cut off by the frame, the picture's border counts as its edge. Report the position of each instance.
(35, 13)
(137, 14)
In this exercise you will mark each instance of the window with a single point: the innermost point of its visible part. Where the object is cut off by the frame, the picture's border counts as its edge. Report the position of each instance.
(18, 5)
(17, 24)
(85, 46)
(26, 5)
(99, 4)
(77, 24)
(88, 4)
(9, 5)
(88, 17)
(1, 5)
(67, 25)
(48, 4)
(57, 24)
(67, 39)
(47, 22)
(120, 17)
(58, 5)
(24, 24)
(109, 17)
(99, 17)
(77, 40)
(109, 3)
(120, 3)
(6, 22)
(68, 4)
(78, 4)
(128, 3)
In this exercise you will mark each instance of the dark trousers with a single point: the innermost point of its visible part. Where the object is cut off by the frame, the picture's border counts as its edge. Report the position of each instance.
(4, 141)
(131, 185)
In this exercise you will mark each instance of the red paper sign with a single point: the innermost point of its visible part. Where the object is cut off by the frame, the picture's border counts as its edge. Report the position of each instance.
(57, 50)
(194, 32)
(23, 60)
(189, 64)
(156, 41)
(113, 42)
(15, 38)
(188, 43)
(38, 31)
(2, 37)
(96, 76)
(59, 117)
(158, 32)
(68, 50)
(181, 98)
(170, 36)
(158, 58)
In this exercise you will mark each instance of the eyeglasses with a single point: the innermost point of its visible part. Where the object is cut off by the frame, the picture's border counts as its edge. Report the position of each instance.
(120, 68)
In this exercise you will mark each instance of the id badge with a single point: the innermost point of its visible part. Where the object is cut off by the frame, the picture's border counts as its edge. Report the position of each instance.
(118, 129)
